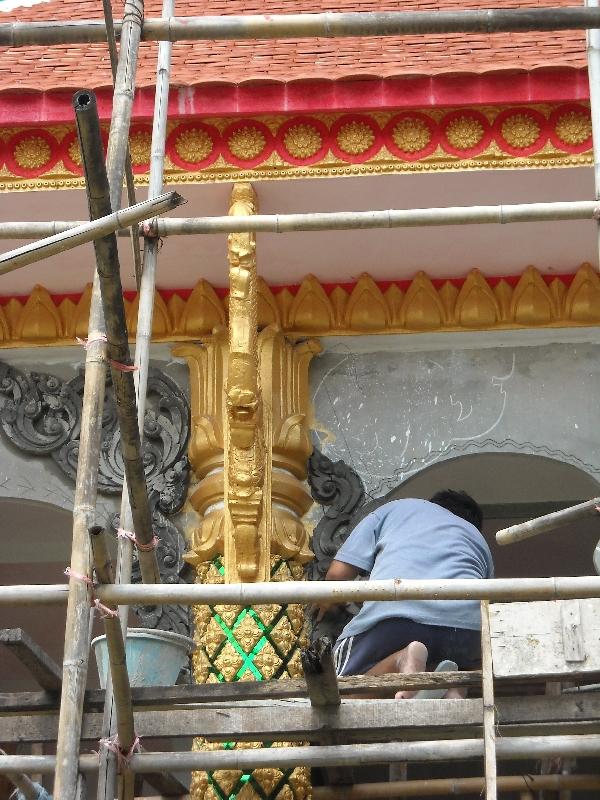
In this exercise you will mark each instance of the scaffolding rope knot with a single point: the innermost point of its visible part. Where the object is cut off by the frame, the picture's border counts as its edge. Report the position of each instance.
(104, 611)
(123, 756)
(123, 534)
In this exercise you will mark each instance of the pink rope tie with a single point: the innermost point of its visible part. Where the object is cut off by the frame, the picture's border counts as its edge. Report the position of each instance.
(85, 343)
(104, 611)
(77, 576)
(140, 545)
(112, 744)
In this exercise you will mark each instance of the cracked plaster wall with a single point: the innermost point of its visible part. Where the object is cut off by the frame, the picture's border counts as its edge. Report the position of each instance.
(391, 412)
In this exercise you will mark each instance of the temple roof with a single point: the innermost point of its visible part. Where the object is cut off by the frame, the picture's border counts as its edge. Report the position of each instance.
(196, 63)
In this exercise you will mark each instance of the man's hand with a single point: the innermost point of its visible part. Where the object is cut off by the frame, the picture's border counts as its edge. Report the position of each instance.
(338, 571)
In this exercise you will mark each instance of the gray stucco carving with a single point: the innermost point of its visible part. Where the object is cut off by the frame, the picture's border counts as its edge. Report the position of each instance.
(391, 414)
(40, 414)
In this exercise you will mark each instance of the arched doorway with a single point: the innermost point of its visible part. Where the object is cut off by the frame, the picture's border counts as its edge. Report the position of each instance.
(512, 488)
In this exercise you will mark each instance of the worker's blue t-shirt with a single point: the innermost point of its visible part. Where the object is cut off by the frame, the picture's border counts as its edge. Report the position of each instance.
(416, 539)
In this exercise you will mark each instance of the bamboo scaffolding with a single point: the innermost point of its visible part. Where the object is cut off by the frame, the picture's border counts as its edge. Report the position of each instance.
(445, 787)
(489, 709)
(494, 589)
(129, 180)
(22, 782)
(121, 690)
(508, 749)
(107, 259)
(302, 26)
(336, 220)
(147, 288)
(86, 232)
(549, 522)
(77, 630)
(77, 636)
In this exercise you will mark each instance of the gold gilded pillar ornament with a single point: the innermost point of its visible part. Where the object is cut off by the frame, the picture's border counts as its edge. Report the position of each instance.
(247, 525)
(249, 447)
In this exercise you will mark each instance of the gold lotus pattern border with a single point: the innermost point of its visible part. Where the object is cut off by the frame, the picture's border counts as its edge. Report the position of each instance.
(312, 309)
(210, 149)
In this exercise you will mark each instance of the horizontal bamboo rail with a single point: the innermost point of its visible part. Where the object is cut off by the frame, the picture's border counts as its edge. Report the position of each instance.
(87, 232)
(454, 786)
(508, 748)
(549, 522)
(302, 26)
(494, 589)
(336, 220)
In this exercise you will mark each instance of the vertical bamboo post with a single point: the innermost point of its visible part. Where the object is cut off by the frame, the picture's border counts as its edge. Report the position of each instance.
(107, 777)
(117, 659)
(593, 63)
(114, 61)
(489, 710)
(75, 659)
(76, 651)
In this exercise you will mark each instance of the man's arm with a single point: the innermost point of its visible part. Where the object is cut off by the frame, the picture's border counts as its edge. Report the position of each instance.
(338, 571)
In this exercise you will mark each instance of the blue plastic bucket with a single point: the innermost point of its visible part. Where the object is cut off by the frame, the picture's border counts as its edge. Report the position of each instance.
(154, 657)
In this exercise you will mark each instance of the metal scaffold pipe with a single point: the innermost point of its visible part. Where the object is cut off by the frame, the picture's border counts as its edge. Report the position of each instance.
(549, 522)
(337, 220)
(302, 26)
(517, 747)
(494, 589)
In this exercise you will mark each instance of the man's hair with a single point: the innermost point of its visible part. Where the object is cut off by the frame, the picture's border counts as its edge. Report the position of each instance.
(461, 504)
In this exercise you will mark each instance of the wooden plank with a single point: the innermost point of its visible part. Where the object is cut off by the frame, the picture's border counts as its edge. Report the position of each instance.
(572, 631)
(356, 720)
(526, 634)
(324, 695)
(165, 696)
(39, 664)
(489, 710)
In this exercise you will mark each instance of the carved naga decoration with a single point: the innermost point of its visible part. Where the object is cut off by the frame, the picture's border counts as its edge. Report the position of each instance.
(247, 546)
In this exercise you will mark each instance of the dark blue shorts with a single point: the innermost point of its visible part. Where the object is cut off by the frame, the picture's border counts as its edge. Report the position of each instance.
(355, 655)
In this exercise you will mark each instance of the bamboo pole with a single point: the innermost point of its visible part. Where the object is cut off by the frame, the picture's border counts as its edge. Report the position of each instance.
(445, 787)
(129, 181)
(549, 522)
(302, 26)
(146, 288)
(77, 632)
(123, 93)
(336, 220)
(493, 589)
(508, 749)
(86, 232)
(489, 709)
(121, 690)
(107, 259)
(22, 782)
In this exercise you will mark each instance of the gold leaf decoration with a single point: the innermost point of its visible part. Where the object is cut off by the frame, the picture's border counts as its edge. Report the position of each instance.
(574, 127)
(520, 130)
(302, 140)
(366, 310)
(411, 134)
(464, 132)
(246, 143)
(32, 152)
(355, 137)
(532, 303)
(193, 145)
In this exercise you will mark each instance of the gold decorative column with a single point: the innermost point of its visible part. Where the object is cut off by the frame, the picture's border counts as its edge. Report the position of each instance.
(249, 448)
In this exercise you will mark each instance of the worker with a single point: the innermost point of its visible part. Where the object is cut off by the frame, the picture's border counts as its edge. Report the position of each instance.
(438, 538)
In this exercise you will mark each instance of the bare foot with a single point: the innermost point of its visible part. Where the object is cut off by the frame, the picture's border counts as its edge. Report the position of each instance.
(412, 659)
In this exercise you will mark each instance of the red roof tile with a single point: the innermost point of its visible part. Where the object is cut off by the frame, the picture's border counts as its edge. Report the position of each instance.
(195, 63)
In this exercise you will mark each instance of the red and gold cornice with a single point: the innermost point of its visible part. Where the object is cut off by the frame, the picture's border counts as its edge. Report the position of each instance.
(531, 300)
(269, 147)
